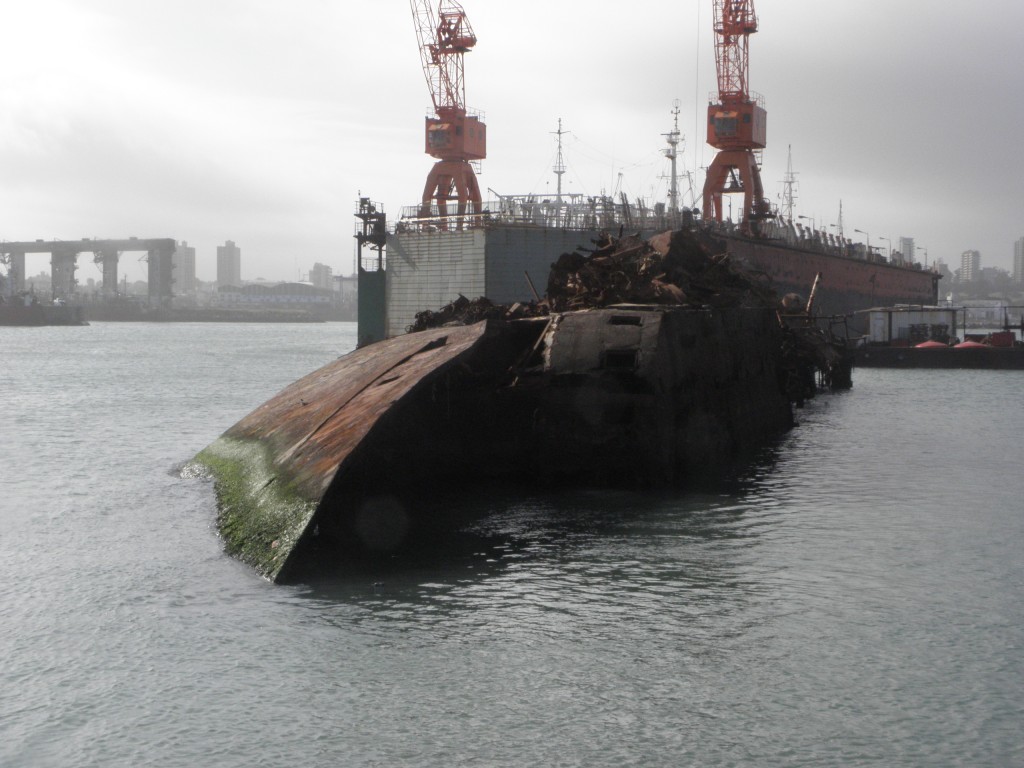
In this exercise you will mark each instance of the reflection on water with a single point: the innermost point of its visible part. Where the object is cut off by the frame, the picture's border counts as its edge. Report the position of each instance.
(589, 564)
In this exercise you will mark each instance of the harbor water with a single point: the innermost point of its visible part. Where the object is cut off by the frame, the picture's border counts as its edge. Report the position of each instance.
(853, 599)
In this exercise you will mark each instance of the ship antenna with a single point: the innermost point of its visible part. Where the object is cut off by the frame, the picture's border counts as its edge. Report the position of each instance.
(839, 224)
(559, 168)
(789, 189)
(673, 138)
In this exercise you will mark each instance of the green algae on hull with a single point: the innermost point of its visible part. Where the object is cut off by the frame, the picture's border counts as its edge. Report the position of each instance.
(260, 516)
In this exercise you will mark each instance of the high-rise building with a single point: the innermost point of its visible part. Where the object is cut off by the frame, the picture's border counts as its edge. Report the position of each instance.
(907, 250)
(321, 276)
(184, 261)
(1018, 261)
(970, 266)
(229, 264)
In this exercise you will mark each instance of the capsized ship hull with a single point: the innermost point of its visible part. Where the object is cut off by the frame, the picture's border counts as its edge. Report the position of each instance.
(345, 460)
(649, 363)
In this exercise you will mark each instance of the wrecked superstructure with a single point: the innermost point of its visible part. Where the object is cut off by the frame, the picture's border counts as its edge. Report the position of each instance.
(647, 363)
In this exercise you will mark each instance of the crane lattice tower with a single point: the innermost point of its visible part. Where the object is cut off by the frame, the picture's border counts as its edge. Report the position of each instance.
(454, 137)
(737, 121)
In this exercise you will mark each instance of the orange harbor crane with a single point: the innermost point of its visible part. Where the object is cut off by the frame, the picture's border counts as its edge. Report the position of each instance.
(454, 137)
(737, 122)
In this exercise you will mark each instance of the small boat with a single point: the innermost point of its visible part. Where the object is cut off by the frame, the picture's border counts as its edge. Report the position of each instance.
(911, 336)
(26, 309)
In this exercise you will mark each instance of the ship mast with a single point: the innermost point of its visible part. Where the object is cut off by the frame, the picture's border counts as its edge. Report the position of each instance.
(789, 188)
(673, 138)
(559, 168)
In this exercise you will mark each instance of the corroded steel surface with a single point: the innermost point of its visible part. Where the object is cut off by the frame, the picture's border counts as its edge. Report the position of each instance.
(313, 425)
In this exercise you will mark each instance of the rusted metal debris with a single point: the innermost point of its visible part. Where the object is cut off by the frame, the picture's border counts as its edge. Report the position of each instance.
(669, 268)
(464, 311)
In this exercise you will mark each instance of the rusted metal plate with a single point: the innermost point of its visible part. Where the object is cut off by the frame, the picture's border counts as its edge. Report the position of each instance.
(313, 425)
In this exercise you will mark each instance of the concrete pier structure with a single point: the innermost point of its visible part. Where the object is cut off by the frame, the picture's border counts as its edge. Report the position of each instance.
(161, 273)
(64, 262)
(15, 271)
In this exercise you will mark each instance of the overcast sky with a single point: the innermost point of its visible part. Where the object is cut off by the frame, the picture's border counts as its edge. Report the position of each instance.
(262, 121)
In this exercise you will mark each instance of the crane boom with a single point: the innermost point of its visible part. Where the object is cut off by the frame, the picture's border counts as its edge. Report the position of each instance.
(443, 39)
(735, 21)
(737, 121)
(452, 136)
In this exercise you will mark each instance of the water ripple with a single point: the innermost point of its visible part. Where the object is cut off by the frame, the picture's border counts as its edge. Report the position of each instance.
(854, 599)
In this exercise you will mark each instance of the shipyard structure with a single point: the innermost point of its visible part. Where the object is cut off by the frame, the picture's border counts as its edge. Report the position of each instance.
(454, 243)
(505, 253)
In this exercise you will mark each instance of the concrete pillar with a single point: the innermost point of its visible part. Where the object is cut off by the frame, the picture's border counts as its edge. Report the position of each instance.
(16, 272)
(63, 264)
(161, 275)
(108, 258)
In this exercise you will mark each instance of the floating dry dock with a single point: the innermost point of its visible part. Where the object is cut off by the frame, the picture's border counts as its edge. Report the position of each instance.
(630, 394)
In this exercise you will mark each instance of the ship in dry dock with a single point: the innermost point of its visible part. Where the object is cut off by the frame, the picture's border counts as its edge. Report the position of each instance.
(455, 243)
(425, 262)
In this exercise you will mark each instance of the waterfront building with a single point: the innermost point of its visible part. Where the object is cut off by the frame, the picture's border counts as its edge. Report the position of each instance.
(269, 296)
(321, 276)
(906, 250)
(970, 266)
(347, 287)
(184, 260)
(229, 264)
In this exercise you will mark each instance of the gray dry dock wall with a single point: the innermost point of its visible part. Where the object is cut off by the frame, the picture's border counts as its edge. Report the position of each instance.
(427, 270)
(513, 252)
